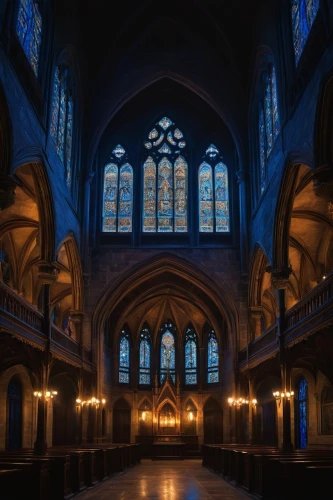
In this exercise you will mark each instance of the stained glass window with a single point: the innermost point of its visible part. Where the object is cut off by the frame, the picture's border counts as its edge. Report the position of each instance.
(61, 128)
(165, 180)
(269, 121)
(144, 361)
(29, 31)
(302, 413)
(124, 357)
(213, 194)
(118, 193)
(212, 358)
(168, 353)
(190, 356)
(303, 14)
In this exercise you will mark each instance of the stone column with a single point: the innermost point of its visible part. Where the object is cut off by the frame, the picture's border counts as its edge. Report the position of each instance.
(280, 279)
(89, 175)
(47, 275)
(256, 315)
(252, 409)
(77, 319)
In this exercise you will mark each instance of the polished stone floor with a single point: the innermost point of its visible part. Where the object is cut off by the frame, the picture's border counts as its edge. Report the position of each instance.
(165, 480)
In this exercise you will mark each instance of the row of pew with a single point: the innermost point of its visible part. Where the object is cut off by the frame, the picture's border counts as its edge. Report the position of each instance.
(272, 474)
(62, 472)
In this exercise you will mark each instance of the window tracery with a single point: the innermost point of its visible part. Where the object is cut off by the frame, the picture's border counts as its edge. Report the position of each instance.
(144, 356)
(190, 356)
(124, 357)
(213, 358)
(303, 14)
(29, 31)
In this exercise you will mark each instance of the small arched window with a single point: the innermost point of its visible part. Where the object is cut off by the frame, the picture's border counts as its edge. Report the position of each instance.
(62, 118)
(327, 410)
(213, 193)
(29, 31)
(118, 193)
(212, 358)
(269, 121)
(144, 356)
(167, 352)
(191, 343)
(165, 180)
(303, 14)
(124, 357)
(302, 413)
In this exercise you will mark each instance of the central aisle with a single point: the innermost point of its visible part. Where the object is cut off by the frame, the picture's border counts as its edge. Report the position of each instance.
(165, 480)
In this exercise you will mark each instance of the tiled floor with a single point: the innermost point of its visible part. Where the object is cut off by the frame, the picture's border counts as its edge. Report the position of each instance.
(165, 480)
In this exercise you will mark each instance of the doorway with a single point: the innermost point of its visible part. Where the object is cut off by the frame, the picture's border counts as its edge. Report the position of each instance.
(121, 422)
(14, 414)
(213, 422)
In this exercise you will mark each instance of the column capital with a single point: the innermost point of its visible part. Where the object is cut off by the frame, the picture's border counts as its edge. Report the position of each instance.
(76, 316)
(323, 182)
(88, 176)
(256, 311)
(7, 191)
(241, 176)
(279, 276)
(47, 272)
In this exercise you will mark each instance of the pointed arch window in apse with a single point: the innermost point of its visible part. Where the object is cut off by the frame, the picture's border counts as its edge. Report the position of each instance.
(213, 194)
(190, 356)
(124, 357)
(302, 413)
(144, 354)
(118, 193)
(29, 31)
(62, 118)
(303, 14)
(269, 121)
(167, 353)
(212, 358)
(165, 174)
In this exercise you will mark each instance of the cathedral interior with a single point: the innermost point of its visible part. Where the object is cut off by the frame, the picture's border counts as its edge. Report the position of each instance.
(166, 229)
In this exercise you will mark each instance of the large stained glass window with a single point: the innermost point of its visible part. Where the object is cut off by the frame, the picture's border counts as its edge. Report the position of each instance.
(168, 353)
(212, 358)
(118, 193)
(165, 180)
(302, 413)
(124, 357)
(303, 14)
(190, 356)
(269, 121)
(62, 118)
(29, 30)
(213, 193)
(144, 354)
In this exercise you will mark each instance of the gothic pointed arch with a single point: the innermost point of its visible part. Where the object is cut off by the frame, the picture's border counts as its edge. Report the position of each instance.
(212, 298)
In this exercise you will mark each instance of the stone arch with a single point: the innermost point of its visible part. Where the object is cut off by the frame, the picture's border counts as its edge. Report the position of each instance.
(181, 273)
(29, 406)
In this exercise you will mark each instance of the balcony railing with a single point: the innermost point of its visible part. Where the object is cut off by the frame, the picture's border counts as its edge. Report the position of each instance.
(311, 302)
(63, 340)
(19, 308)
(259, 345)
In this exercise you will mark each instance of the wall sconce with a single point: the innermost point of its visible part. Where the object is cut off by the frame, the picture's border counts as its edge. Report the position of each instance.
(93, 402)
(241, 401)
(47, 395)
(279, 396)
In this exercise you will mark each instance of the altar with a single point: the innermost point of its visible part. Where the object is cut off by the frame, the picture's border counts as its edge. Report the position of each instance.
(168, 447)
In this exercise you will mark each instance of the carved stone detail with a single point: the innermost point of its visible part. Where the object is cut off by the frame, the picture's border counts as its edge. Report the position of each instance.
(47, 273)
(323, 183)
(280, 277)
(76, 316)
(7, 191)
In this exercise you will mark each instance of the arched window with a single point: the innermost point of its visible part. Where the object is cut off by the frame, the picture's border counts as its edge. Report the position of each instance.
(269, 121)
(212, 358)
(62, 118)
(303, 14)
(213, 193)
(124, 357)
(190, 356)
(29, 30)
(168, 352)
(327, 410)
(144, 354)
(302, 413)
(165, 180)
(118, 193)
